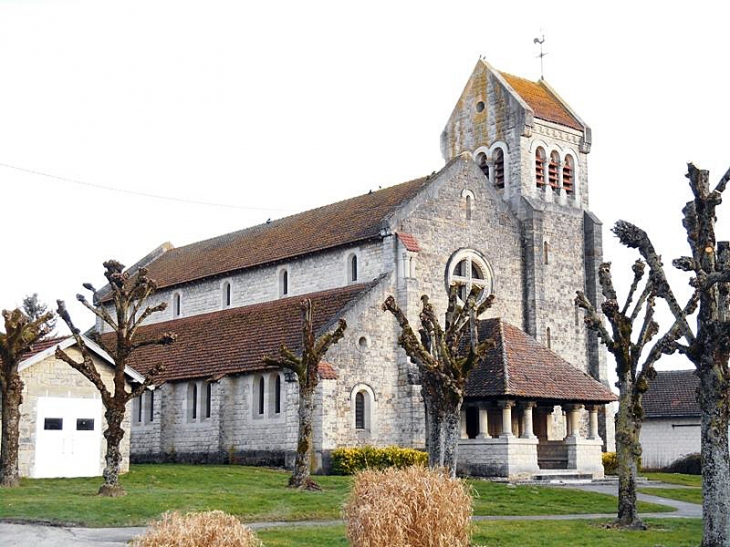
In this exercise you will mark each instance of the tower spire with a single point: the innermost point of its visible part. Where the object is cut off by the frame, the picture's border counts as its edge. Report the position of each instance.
(542, 54)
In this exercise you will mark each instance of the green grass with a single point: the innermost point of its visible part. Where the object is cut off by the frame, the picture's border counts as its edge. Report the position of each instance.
(546, 533)
(675, 478)
(251, 493)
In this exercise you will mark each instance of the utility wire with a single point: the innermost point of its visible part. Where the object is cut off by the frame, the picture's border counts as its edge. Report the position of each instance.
(136, 193)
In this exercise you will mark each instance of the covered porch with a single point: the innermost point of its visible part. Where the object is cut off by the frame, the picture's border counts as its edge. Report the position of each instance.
(528, 411)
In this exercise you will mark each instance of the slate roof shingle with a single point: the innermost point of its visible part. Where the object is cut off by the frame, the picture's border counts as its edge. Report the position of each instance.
(519, 366)
(234, 340)
(672, 394)
(544, 104)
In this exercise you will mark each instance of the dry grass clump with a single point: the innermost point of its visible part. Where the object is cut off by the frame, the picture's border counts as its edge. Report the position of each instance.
(411, 507)
(209, 529)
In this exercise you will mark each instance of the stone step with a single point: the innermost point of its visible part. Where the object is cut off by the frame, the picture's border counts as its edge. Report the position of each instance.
(562, 476)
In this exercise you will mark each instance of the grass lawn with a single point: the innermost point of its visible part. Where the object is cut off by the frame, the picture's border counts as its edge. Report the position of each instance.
(692, 493)
(546, 533)
(252, 493)
(676, 478)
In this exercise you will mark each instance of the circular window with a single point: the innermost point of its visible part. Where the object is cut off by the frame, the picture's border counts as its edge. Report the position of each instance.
(362, 342)
(480, 106)
(466, 269)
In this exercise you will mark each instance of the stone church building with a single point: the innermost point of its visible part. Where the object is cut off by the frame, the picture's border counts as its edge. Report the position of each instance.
(508, 213)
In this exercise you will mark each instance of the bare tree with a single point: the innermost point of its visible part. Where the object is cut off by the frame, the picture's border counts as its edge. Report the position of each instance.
(708, 345)
(129, 295)
(633, 375)
(306, 367)
(21, 332)
(35, 309)
(445, 357)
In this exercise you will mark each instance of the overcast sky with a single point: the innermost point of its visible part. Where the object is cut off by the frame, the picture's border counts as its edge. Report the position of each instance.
(269, 108)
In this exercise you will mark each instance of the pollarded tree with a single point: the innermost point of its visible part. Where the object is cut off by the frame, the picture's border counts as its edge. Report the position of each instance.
(306, 367)
(708, 345)
(634, 377)
(128, 296)
(35, 309)
(445, 356)
(21, 332)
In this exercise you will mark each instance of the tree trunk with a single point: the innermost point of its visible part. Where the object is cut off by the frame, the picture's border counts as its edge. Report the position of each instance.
(113, 434)
(715, 460)
(435, 437)
(300, 477)
(628, 450)
(452, 434)
(12, 399)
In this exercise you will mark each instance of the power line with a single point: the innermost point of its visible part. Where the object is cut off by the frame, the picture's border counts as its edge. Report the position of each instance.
(142, 194)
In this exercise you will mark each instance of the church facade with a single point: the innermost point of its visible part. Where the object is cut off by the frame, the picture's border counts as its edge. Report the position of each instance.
(507, 213)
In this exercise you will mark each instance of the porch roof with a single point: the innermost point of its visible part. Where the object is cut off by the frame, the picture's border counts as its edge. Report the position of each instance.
(519, 366)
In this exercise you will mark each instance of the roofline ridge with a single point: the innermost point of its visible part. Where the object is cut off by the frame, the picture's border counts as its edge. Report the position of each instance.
(351, 303)
(587, 132)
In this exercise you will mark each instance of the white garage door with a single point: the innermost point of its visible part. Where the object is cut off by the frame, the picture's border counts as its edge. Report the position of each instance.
(68, 438)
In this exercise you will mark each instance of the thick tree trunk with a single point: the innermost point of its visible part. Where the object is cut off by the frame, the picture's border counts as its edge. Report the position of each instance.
(12, 399)
(113, 435)
(452, 434)
(300, 477)
(435, 436)
(628, 450)
(715, 460)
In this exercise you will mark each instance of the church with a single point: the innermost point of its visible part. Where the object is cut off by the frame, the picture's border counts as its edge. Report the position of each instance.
(508, 213)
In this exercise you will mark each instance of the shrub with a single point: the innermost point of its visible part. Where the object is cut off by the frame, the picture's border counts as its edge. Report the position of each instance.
(348, 461)
(211, 529)
(691, 464)
(411, 507)
(610, 463)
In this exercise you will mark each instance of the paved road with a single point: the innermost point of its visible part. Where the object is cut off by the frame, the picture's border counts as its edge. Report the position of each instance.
(36, 535)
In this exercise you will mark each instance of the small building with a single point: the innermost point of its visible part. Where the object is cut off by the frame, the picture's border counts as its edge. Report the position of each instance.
(62, 416)
(672, 418)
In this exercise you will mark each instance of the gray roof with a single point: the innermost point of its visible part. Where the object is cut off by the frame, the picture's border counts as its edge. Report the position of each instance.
(672, 394)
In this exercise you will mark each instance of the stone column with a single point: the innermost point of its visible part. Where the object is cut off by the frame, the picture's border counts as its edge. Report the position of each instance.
(483, 423)
(593, 430)
(574, 419)
(506, 407)
(463, 424)
(527, 429)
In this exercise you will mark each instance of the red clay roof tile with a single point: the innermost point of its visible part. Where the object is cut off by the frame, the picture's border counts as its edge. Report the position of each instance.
(544, 104)
(410, 242)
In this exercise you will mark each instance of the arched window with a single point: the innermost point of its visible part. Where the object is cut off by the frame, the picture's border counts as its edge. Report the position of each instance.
(540, 168)
(192, 401)
(261, 395)
(482, 163)
(360, 410)
(226, 294)
(277, 395)
(466, 269)
(468, 207)
(547, 337)
(553, 170)
(352, 273)
(499, 168)
(177, 304)
(283, 282)
(208, 399)
(138, 409)
(151, 407)
(546, 252)
(568, 170)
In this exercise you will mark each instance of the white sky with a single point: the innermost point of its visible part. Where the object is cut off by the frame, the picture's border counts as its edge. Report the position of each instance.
(275, 107)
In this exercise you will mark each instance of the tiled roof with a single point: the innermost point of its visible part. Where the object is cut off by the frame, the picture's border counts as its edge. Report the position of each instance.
(346, 222)
(519, 366)
(410, 242)
(544, 104)
(326, 371)
(671, 394)
(235, 340)
(43, 345)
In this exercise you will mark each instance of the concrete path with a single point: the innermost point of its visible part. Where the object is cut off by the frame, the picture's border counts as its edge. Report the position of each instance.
(37, 535)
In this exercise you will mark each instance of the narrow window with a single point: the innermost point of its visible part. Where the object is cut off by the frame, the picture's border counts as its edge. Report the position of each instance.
(138, 400)
(261, 395)
(151, 407)
(546, 252)
(285, 283)
(227, 294)
(176, 305)
(499, 168)
(568, 175)
(208, 398)
(277, 395)
(547, 337)
(353, 268)
(482, 163)
(553, 170)
(194, 401)
(468, 207)
(540, 168)
(360, 410)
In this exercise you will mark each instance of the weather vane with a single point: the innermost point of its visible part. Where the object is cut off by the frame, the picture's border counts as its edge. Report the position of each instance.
(541, 41)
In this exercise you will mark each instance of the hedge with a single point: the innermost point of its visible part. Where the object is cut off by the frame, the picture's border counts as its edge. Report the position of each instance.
(610, 463)
(347, 461)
